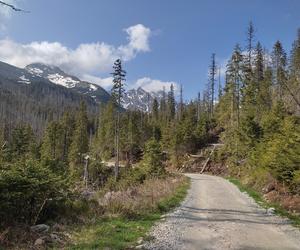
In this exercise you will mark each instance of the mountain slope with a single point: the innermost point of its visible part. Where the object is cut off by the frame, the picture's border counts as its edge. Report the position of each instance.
(59, 77)
(140, 99)
(32, 99)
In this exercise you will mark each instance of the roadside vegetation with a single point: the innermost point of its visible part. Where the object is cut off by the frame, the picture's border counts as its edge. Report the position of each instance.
(259, 199)
(127, 219)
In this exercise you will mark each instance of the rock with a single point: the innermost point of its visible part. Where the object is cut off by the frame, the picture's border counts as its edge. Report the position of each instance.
(39, 242)
(139, 247)
(55, 237)
(108, 196)
(139, 241)
(270, 187)
(88, 195)
(58, 227)
(41, 228)
(271, 211)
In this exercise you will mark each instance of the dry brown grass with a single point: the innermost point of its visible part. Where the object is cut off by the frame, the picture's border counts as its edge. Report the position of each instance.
(139, 199)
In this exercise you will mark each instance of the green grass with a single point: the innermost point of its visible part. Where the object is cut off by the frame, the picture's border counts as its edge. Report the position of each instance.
(123, 233)
(295, 219)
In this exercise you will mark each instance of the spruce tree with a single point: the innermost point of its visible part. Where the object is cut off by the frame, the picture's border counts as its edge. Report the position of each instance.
(67, 124)
(155, 110)
(212, 79)
(117, 94)
(80, 141)
(279, 63)
(53, 143)
(104, 142)
(171, 103)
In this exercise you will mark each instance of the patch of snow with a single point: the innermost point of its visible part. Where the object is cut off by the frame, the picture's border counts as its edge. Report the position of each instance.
(23, 79)
(67, 82)
(35, 71)
(93, 87)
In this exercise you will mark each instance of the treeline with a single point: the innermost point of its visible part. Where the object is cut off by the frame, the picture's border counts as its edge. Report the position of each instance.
(42, 178)
(259, 112)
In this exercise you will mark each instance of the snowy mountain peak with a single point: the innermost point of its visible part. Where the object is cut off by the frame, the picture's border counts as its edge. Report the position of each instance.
(53, 74)
(140, 99)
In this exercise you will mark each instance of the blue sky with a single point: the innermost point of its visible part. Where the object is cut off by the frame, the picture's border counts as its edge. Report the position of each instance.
(162, 41)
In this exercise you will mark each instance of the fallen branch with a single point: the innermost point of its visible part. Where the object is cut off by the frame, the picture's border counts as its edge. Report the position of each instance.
(13, 7)
(208, 159)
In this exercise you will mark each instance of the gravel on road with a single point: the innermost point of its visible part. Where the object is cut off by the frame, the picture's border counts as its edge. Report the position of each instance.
(216, 215)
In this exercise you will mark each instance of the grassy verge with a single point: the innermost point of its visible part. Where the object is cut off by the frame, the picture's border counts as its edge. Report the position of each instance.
(295, 219)
(123, 233)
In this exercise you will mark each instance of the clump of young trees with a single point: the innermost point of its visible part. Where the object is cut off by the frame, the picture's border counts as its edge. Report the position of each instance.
(259, 110)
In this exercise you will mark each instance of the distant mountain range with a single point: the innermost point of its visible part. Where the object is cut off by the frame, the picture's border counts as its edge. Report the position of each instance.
(39, 93)
(140, 99)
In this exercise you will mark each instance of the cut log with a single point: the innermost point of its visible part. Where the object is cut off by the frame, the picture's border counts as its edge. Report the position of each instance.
(208, 159)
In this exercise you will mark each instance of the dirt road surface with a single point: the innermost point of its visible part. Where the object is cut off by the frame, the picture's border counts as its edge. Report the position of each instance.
(216, 215)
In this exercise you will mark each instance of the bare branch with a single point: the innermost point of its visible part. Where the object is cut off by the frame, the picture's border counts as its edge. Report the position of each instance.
(13, 7)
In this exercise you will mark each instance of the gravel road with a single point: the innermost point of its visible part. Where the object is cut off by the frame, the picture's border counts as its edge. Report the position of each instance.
(216, 215)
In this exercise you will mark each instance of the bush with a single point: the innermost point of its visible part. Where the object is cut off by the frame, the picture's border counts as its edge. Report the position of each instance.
(153, 158)
(26, 189)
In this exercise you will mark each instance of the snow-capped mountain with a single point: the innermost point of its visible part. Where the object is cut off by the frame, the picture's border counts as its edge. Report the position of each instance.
(59, 77)
(140, 99)
(134, 99)
(53, 74)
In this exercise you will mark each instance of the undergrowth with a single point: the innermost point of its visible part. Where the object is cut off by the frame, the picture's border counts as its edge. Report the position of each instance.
(120, 231)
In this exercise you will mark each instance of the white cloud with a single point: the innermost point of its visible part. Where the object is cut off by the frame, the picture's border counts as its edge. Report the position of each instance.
(150, 85)
(88, 59)
(103, 82)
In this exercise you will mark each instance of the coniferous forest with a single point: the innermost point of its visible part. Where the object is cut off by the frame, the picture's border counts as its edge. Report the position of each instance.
(66, 173)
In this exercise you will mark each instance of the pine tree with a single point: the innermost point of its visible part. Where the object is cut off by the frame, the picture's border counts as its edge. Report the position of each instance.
(155, 110)
(198, 106)
(53, 143)
(293, 85)
(212, 79)
(250, 47)
(80, 141)
(295, 58)
(171, 103)
(219, 84)
(117, 94)
(180, 110)
(104, 142)
(252, 88)
(67, 124)
(163, 105)
(279, 63)
(234, 84)
(152, 159)
(235, 78)
(23, 143)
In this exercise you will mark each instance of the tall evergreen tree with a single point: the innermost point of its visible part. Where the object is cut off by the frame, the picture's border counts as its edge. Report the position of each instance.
(279, 63)
(53, 143)
(117, 94)
(250, 46)
(180, 110)
(155, 110)
(171, 103)
(212, 79)
(80, 141)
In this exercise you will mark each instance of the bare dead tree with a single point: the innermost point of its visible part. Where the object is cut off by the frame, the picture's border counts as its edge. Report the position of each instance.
(13, 7)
